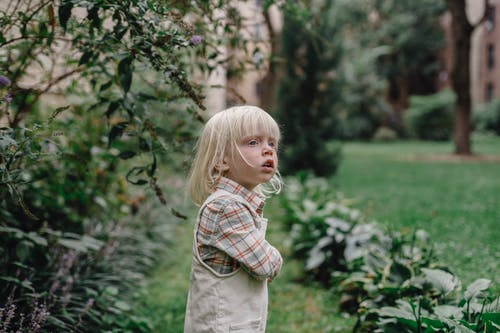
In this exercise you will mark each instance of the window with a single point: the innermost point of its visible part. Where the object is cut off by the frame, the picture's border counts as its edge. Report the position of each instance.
(489, 92)
(490, 17)
(490, 56)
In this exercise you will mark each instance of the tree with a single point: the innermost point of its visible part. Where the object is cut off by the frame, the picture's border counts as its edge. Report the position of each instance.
(85, 85)
(411, 31)
(462, 30)
(308, 91)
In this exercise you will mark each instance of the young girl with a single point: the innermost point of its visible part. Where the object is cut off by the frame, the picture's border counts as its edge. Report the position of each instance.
(232, 261)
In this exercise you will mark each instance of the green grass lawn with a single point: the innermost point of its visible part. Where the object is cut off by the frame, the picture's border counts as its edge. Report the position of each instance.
(398, 184)
(458, 203)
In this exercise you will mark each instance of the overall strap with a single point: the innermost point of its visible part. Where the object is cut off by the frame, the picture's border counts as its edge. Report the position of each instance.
(215, 195)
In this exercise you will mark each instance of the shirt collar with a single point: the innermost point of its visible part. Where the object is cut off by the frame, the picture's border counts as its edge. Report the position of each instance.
(255, 199)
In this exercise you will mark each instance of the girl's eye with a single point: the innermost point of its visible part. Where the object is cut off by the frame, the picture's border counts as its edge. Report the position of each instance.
(272, 144)
(252, 142)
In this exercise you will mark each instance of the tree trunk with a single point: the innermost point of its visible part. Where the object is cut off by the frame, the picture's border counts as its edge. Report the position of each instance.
(268, 82)
(460, 74)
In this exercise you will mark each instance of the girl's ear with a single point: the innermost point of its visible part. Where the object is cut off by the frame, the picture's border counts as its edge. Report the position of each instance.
(222, 166)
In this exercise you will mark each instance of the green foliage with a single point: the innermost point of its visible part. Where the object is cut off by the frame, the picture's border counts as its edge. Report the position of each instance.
(475, 311)
(313, 214)
(363, 107)
(66, 242)
(412, 31)
(308, 91)
(89, 90)
(385, 134)
(431, 117)
(379, 271)
(487, 117)
(410, 35)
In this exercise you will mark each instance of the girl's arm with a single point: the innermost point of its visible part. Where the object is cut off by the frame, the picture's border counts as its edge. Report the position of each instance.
(238, 236)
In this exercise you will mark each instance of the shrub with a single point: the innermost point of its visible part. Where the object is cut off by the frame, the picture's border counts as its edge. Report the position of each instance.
(385, 134)
(74, 244)
(70, 259)
(313, 214)
(391, 280)
(473, 311)
(323, 160)
(487, 117)
(308, 90)
(430, 117)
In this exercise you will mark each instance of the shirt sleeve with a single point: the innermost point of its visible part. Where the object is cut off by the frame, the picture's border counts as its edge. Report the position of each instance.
(237, 235)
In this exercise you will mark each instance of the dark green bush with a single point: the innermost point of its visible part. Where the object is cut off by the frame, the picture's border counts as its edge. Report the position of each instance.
(308, 92)
(390, 280)
(385, 134)
(323, 160)
(73, 249)
(430, 117)
(486, 117)
(76, 133)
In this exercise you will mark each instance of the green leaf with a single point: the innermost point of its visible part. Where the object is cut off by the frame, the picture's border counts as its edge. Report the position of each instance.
(491, 322)
(36, 239)
(492, 327)
(93, 15)
(125, 70)
(116, 131)
(65, 13)
(399, 273)
(459, 328)
(23, 250)
(144, 144)
(448, 311)
(124, 306)
(494, 306)
(125, 155)
(86, 56)
(73, 244)
(106, 85)
(443, 281)
(404, 311)
(475, 288)
(113, 106)
(92, 243)
(152, 169)
(135, 171)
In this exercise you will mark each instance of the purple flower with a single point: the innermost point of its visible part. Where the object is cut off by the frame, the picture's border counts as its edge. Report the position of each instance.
(196, 39)
(89, 304)
(8, 97)
(4, 81)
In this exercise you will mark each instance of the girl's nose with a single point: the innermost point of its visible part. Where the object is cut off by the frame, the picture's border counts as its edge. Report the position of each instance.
(268, 149)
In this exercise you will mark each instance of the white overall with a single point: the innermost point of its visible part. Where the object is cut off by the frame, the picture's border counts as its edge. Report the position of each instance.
(222, 303)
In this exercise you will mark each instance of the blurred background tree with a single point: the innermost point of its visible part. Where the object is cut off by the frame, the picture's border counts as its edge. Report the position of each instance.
(349, 69)
(309, 88)
(95, 96)
(461, 80)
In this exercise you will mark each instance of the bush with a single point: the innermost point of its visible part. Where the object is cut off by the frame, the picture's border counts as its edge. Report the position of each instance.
(308, 91)
(385, 134)
(390, 279)
(486, 117)
(74, 244)
(430, 117)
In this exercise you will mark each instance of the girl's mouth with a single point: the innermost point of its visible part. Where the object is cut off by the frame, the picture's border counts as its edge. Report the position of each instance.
(268, 164)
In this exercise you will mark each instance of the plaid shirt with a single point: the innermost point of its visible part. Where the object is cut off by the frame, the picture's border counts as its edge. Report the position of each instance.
(231, 234)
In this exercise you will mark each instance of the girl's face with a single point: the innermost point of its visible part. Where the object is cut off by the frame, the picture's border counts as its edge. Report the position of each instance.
(255, 161)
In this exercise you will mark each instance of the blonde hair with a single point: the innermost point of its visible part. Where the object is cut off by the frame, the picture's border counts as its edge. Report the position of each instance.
(219, 139)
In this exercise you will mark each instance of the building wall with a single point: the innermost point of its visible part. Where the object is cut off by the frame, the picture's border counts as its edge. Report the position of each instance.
(488, 66)
(244, 89)
(485, 73)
